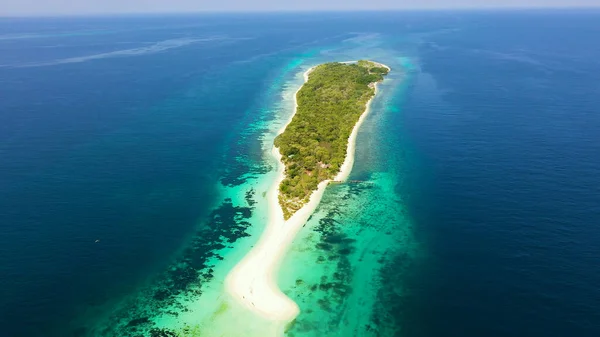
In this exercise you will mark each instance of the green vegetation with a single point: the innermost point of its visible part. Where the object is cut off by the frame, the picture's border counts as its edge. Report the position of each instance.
(313, 146)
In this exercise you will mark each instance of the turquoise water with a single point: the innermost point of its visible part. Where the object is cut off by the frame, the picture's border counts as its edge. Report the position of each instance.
(352, 266)
(136, 160)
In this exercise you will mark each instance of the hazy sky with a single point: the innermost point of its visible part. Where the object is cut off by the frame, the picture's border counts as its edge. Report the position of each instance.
(50, 7)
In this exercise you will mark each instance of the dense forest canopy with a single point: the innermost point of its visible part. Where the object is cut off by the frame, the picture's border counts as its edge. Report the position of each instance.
(313, 146)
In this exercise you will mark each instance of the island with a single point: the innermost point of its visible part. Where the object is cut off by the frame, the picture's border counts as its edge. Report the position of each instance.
(313, 146)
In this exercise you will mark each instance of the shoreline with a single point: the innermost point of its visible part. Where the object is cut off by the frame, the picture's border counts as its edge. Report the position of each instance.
(252, 281)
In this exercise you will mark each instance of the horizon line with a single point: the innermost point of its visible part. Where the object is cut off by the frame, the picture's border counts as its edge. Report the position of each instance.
(299, 11)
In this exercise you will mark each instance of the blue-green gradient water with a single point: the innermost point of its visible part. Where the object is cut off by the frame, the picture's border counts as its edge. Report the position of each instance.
(133, 166)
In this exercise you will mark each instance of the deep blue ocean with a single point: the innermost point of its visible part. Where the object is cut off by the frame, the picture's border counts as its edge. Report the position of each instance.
(114, 132)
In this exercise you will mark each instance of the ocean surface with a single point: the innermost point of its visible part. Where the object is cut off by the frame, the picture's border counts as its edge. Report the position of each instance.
(134, 161)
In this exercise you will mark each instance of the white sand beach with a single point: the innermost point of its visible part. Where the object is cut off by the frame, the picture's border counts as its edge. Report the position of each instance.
(252, 280)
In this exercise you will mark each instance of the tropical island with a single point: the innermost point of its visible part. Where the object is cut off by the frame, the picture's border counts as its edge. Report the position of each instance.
(313, 146)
